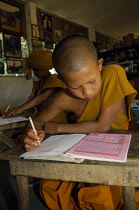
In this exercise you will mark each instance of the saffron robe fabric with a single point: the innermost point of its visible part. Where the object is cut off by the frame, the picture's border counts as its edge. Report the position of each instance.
(63, 195)
(115, 86)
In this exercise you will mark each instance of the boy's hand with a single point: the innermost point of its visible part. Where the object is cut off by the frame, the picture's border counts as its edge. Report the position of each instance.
(30, 139)
(51, 128)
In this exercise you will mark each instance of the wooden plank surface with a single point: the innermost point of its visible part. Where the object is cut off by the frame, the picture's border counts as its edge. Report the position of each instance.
(111, 174)
(13, 125)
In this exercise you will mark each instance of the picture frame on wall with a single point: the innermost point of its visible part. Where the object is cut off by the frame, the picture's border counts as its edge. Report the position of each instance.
(48, 40)
(57, 36)
(35, 31)
(1, 68)
(46, 22)
(14, 67)
(12, 46)
(65, 26)
(36, 44)
(10, 17)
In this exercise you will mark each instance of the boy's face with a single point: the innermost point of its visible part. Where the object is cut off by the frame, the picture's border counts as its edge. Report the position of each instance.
(85, 84)
(39, 73)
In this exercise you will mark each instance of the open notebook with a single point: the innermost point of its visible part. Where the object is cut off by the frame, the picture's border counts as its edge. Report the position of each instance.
(77, 147)
(54, 147)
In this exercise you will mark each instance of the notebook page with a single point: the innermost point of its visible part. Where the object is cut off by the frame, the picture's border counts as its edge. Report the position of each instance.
(55, 145)
(102, 146)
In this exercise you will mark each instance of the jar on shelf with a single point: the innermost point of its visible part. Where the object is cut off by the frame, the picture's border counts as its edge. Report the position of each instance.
(135, 67)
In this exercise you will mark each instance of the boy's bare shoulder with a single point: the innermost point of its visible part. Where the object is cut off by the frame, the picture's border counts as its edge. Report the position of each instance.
(66, 101)
(65, 95)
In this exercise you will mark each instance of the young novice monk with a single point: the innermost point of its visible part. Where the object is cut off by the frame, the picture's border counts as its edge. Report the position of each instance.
(100, 98)
(40, 61)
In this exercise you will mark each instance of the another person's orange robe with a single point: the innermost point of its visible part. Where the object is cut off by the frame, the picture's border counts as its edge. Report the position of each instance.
(61, 195)
(51, 81)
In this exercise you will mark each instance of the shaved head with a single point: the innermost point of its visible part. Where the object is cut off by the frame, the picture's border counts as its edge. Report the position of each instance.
(72, 54)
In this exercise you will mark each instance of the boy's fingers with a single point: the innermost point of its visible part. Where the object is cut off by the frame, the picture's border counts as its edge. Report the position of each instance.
(40, 136)
(30, 133)
(29, 148)
(30, 141)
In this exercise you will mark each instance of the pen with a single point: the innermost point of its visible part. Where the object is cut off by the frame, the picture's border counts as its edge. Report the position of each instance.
(6, 110)
(33, 127)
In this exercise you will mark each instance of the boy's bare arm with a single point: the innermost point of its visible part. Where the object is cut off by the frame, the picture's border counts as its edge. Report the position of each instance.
(102, 124)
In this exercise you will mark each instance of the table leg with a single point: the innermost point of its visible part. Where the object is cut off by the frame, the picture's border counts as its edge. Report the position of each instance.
(7, 140)
(23, 194)
(129, 198)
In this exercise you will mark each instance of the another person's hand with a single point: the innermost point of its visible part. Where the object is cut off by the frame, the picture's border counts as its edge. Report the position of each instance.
(12, 112)
(2, 113)
(30, 139)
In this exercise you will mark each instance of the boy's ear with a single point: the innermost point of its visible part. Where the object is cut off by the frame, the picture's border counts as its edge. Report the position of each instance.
(100, 63)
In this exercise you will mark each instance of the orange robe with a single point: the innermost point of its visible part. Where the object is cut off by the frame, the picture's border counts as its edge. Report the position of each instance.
(61, 195)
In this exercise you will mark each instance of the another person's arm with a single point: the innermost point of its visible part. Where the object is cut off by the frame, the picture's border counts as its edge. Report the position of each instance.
(34, 90)
(30, 104)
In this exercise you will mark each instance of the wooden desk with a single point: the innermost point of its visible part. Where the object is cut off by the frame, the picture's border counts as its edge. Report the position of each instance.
(109, 173)
(7, 130)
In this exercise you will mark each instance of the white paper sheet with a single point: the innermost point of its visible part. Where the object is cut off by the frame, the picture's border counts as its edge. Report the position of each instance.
(4, 121)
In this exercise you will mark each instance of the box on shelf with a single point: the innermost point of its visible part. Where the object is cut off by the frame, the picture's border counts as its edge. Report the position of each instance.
(136, 110)
(137, 125)
(127, 65)
(135, 104)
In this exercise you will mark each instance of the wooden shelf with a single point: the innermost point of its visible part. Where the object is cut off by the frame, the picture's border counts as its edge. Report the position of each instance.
(120, 49)
(133, 73)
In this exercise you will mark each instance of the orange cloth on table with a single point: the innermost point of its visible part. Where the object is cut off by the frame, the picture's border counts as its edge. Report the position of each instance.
(61, 195)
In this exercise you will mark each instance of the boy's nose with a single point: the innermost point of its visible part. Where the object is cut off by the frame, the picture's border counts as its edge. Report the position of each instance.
(87, 91)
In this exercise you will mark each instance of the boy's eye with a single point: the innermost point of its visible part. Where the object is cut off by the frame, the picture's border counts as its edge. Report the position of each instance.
(91, 82)
(75, 88)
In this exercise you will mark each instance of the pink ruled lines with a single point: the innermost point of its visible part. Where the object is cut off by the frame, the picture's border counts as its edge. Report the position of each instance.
(103, 146)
